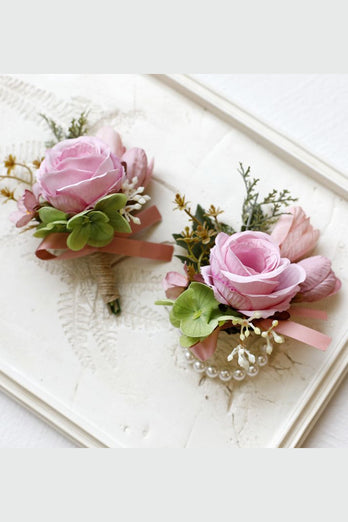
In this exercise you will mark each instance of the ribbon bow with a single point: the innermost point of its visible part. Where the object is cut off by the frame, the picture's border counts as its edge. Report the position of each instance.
(122, 244)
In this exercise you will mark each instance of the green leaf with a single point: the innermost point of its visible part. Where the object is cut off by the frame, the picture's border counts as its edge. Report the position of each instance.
(226, 228)
(119, 223)
(200, 326)
(78, 238)
(110, 203)
(229, 317)
(78, 220)
(44, 230)
(167, 302)
(197, 311)
(55, 224)
(187, 342)
(183, 259)
(202, 218)
(100, 234)
(174, 321)
(49, 214)
(96, 216)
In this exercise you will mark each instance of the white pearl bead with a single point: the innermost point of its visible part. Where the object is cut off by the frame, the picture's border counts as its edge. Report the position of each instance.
(211, 371)
(189, 356)
(262, 360)
(199, 366)
(239, 375)
(253, 370)
(225, 375)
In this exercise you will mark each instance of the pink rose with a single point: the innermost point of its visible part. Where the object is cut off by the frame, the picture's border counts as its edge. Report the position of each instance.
(135, 158)
(247, 273)
(174, 284)
(294, 234)
(76, 173)
(320, 279)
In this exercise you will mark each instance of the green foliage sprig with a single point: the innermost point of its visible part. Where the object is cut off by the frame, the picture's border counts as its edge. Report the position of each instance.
(78, 127)
(254, 216)
(199, 238)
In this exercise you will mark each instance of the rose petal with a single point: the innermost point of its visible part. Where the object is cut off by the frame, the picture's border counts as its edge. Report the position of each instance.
(323, 289)
(136, 161)
(29, 200)
(68, 203)
(173, 279)
(112, 139)
(19, 218)
(53, 181)
(270, 276)
(88, 163)
(107, 165)
(205, 349)
(294, 234)
(282, 228)
(92, 189)
(317, 268)
(149, 173)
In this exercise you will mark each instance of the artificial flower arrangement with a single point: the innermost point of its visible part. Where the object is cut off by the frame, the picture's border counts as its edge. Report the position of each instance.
(86, 198)
(246, 284)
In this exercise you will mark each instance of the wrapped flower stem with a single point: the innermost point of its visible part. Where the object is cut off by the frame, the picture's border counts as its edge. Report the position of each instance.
(105, 277)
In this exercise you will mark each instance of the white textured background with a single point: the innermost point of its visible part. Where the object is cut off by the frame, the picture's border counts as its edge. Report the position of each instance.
(310, 109)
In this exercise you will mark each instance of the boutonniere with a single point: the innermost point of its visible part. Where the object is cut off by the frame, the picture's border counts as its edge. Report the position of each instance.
(85, 196)
(243, 287)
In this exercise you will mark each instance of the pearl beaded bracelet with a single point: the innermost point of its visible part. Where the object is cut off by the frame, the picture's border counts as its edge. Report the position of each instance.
(225, 374)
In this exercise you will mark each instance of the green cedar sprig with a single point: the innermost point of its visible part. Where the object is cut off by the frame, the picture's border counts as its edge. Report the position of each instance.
(254, 216)
(78, 127)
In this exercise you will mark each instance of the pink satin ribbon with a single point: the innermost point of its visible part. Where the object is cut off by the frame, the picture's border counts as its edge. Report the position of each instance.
(300, 333)
(205, 349)
(121, 244)
(308, 313)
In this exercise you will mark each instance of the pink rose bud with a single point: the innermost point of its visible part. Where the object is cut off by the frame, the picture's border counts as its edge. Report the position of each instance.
(112, 138)
(137, 165)
(320, 279)
(174, 284)
(294, 234)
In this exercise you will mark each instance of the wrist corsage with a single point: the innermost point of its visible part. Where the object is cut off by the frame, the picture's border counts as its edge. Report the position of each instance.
(85, 196)
(243, 287)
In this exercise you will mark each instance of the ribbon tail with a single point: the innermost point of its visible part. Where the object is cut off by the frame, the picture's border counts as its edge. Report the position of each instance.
(137, 248)
(300, 333)
(308, 313)
(206, 348)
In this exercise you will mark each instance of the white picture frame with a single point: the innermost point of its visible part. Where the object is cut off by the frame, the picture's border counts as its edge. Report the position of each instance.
(307, 411)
